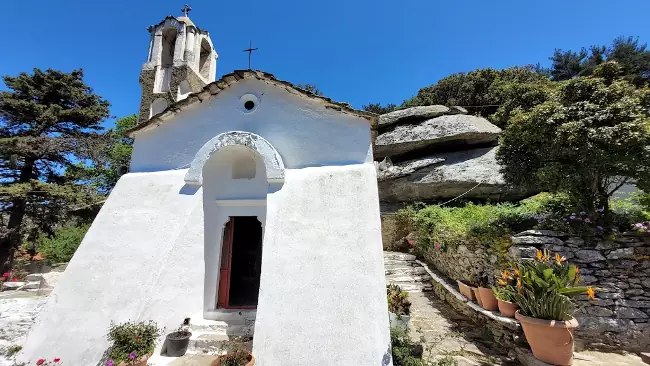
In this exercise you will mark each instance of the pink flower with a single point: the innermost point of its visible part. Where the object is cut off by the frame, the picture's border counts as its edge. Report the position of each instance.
(587, 220)
(110, 363)
(437, 245)
(40, 361)
(56, 359)
(6, 274)
(132, 355)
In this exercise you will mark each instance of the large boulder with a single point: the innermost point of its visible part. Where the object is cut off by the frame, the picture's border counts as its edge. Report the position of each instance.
(447, 175)
(455, 131)
(414, 114)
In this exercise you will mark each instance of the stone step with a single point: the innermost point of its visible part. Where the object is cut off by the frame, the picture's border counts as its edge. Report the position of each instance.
(398, 256)
(234, 328)
(413, 287)
(399, 262)
(397, 269)
(408, 278)
(213, 343)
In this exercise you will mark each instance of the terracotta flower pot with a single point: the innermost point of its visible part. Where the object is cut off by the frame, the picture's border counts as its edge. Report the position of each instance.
(507, 308)
(251, 362)
(488, 300)
(550, 340)
(477, 294)
(141, 361)
(466, 291)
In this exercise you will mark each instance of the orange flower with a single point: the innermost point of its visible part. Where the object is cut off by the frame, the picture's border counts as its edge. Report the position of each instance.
(539, 254)
(516, 272)
(591, 293)
(502, 282)
(506, 275)
(518, 284)
(577, 270)
(559, 259)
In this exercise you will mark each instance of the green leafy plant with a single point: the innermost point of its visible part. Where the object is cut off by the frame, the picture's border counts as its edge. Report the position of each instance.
(13, 349)
(504, 293)
(62, 246)
(405, 352)
(398, 302)
(545, 287)
(132, 340)
(237, 358)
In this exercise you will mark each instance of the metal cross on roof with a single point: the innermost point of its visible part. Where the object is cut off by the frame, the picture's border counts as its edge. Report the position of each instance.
(250, 51)
(186, 9)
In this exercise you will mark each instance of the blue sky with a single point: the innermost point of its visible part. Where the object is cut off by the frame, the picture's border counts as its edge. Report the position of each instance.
(357, 51)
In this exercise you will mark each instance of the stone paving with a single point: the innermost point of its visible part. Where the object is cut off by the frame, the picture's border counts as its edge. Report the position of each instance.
(17, 313)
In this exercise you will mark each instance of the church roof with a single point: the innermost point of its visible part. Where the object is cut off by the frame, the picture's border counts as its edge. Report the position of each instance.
(186, 20)
(226, 81)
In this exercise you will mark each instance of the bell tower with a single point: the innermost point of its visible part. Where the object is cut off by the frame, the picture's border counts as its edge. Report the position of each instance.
(181, 60)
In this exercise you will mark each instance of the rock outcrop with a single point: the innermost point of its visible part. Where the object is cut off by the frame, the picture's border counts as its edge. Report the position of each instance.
(436, 153)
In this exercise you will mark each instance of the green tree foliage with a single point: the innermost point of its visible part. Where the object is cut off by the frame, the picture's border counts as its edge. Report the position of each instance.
(634, 59)
(49, 121)
(310, 88)
(588, 140)
(490, 93)
(61, 247)
(111, 159)
(377, 108)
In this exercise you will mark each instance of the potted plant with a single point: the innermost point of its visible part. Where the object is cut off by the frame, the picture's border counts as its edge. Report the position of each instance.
(466, 290)
(543, 290)
(132, 342)
(399, 307)
(488, 300)
(236, 354)
(504, 293)
(177, 342)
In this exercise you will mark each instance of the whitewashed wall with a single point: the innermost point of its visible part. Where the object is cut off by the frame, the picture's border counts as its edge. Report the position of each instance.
(302, 130)
(322, 294)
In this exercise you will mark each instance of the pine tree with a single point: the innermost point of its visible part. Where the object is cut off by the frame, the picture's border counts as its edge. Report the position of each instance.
(49, 121)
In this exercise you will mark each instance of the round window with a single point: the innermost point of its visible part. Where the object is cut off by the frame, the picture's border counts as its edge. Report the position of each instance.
(249, 103)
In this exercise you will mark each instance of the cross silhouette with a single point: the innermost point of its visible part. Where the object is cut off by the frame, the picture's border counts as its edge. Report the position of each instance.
(186, 9)
(250, 52)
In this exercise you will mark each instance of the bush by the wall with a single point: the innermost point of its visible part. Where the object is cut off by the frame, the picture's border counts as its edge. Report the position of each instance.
(62, 246)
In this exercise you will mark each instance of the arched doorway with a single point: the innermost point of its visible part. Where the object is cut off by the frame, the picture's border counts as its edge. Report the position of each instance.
(236, 171)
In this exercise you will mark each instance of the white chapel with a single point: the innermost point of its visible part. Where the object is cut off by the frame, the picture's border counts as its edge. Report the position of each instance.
(251, 207)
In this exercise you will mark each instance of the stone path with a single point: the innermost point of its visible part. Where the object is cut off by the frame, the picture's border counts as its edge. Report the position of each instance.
(442, 330)
(17, 313)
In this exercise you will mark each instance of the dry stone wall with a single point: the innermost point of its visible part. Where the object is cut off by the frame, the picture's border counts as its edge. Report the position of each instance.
(620, 267)
(619, 317)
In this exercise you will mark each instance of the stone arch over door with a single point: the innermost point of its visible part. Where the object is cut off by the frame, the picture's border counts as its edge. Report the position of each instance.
(273, 163)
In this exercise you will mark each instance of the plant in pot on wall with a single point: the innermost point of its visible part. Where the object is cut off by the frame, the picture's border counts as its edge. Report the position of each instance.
(487, 299)
(543, 290)
(399, 307)
(505, 293)
(132, 342)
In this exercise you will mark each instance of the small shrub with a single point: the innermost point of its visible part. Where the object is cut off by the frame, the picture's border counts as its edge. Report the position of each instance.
(398, 302)
(12, 350)
(62, 246)
(405, 352)
(132, 340)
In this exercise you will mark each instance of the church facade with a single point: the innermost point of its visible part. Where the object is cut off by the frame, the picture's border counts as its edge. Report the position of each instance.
(247, 197)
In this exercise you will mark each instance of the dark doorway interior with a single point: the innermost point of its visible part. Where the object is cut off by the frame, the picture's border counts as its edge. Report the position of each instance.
(246, 262)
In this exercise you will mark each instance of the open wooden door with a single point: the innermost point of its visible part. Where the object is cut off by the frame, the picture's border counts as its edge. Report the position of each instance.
(226, 262)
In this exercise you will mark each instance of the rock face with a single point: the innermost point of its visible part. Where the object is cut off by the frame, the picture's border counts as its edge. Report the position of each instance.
(455, 130)
(437, 153)
(415, 113)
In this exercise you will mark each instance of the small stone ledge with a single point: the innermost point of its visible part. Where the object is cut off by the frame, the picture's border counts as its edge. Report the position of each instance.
(440, 282)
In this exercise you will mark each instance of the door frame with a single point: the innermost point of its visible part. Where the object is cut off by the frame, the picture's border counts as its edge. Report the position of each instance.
(223, 210)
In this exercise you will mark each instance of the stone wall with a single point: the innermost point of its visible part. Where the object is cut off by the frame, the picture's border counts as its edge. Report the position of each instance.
(620, 267)
(466, 262)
